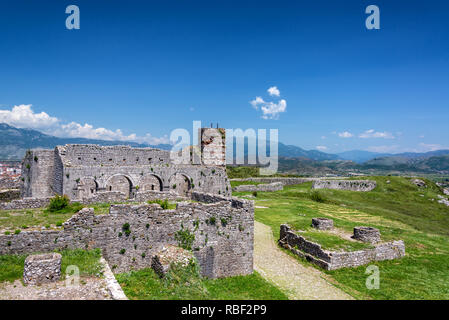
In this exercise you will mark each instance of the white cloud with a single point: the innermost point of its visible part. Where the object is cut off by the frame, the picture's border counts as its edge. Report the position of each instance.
(255, 103)
(375, 134)
(345, 134)
(274, 91)
(270, 109)
(321, 148)
(24, 117)
(323, 137)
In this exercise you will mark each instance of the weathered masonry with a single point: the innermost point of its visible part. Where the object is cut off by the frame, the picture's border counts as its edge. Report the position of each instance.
(331, 260)
(82, 171)
(219, 230)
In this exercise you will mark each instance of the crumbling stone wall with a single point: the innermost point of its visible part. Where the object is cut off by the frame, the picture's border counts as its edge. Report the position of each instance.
(38, 174)
(284, 181)
(352, 185)
(9, 194)
(131, 234)
(331, 260)
(81, 171)
(7, 183)
(270, 187)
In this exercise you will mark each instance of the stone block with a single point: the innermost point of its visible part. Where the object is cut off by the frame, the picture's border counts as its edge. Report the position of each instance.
(322, 223)
(42, 268)
(366, 234)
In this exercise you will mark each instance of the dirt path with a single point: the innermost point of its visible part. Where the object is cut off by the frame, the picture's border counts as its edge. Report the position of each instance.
(297, 281)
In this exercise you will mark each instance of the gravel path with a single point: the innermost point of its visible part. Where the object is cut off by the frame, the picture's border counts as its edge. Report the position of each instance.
(297, 281)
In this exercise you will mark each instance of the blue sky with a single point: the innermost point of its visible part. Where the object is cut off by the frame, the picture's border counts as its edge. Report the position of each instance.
(145, 68)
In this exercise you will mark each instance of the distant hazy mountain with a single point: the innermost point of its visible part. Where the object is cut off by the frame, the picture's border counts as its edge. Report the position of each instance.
(360, 156)
(291, 151)
(14, 142)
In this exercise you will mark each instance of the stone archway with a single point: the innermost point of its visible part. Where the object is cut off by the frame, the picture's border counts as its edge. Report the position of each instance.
(150, 182)
(87, 188)
(180, 183)
(120, 183)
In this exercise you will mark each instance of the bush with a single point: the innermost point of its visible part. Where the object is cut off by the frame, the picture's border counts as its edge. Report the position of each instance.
(317, 197)
(162, 203)
(185, 238)
(255, 194)
(58, 203)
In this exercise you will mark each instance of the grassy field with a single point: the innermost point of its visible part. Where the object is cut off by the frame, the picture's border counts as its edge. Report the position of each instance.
(88, 262)
(399, 209)
(186, 283)
(11, 220)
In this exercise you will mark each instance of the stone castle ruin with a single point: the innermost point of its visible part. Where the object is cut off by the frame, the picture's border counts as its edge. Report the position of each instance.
(216, 227)
(85, 171)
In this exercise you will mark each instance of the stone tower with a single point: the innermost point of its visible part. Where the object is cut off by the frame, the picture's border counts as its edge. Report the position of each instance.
(212, 146)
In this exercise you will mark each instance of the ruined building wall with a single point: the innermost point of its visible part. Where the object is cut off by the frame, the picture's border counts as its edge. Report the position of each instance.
(223, 235)
(38, 173)
(80, 171)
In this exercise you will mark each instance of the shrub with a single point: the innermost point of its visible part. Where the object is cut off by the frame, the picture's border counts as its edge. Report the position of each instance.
(254, 193)
(122, 251)
(317, 197)
(126, 229)
(162, 203)
(17, 231)
(212, 220)
(185, 238)
(58, 203)
(59, 224)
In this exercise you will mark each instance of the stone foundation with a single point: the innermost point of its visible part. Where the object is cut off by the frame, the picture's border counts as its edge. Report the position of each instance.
(331, 260)
(271, 187)
(42, 268)
(322, 223)
(366, 234)
(351, 185)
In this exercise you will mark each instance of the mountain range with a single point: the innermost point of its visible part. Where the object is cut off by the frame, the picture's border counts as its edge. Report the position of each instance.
(15, 141)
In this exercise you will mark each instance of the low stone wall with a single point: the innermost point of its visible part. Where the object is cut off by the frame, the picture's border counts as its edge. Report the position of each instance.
(213, 198)
(284, 181)
(9, 183)
(270, 187)
(99, 197)
(145, 196)
(104, 197)
(331, 260)
(25, 203)
(223, 235)
(352, 185)
(9, 194)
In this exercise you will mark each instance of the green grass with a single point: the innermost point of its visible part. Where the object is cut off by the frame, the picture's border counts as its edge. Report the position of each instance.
(397, 210)
(88, 262)
(11, 220)
(183, 283)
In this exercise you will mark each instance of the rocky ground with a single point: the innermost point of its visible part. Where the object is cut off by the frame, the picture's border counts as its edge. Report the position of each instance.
(88, 289)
